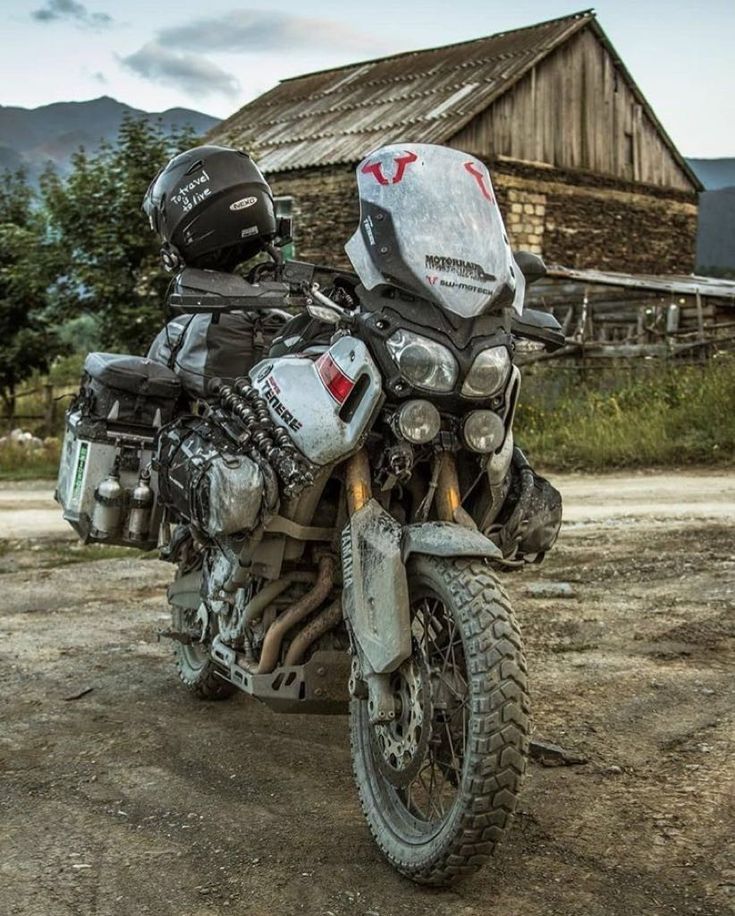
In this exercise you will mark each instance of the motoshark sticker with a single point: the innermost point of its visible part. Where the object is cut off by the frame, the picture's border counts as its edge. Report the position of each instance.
(461, 270)
(244, 203)
(457, 266)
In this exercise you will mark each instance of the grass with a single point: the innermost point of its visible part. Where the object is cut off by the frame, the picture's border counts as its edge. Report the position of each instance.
(663, 415)
(21, 463)
(647, 414)
(15, 556)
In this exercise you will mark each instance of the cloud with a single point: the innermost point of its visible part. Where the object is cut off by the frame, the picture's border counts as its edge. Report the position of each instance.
(71, 11)
(189, 72)
(261, 30)
(174, 56)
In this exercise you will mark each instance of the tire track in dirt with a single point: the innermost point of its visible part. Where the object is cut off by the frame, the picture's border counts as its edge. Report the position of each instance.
(135, 799)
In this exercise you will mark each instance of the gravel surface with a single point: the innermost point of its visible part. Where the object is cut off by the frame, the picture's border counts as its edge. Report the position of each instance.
(132, 798)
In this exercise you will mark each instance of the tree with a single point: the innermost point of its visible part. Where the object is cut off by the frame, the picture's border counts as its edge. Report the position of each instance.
(28, 342)
(113, 269)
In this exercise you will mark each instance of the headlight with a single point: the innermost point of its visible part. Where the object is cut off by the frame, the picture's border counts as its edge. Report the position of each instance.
(483, 431)
(418, 421)
(488, 374)
(423, 362)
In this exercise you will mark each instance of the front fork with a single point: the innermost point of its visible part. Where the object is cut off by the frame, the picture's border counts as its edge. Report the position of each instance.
(358, 487)
(375, 581)
(448, 500)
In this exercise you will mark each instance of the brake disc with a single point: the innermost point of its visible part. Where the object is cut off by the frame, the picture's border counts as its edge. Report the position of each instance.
(400, 746)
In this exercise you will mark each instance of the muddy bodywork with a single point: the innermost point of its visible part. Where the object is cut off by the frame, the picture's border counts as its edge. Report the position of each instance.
(375, 594)
(375, 549)
(311, 399)
(444, 539)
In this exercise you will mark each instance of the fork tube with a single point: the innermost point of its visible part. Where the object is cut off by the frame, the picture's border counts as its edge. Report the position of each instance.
(447, 493)
(357, 481)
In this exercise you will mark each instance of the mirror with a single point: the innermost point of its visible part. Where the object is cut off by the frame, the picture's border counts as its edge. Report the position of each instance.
(539, 326)
(531, 265)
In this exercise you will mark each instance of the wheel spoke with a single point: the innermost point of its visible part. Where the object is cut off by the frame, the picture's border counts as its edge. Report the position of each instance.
(432, 780)
(422, 775)
(443, 692)
(451, 647)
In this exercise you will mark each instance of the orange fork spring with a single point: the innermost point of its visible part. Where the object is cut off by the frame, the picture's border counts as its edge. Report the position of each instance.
(448, 498)
(357, 481)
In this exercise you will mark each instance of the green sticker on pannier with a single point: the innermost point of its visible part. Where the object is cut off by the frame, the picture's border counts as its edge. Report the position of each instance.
(79, 472)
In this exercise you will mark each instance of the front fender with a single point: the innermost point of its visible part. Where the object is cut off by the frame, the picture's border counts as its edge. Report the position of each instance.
(375, 549)
(446, 539)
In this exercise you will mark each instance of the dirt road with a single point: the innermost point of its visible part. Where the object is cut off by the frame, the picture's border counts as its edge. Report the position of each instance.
(28, 509)
(134, 799)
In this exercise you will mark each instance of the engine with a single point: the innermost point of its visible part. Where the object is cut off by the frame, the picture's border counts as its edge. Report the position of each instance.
(222, 471)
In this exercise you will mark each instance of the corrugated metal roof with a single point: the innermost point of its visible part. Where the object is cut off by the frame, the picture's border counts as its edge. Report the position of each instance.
(338, 116)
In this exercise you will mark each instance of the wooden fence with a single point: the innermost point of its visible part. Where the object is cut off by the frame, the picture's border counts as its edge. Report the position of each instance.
(45, 410)
(617, 317)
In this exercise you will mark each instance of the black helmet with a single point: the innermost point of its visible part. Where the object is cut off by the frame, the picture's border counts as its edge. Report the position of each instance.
(212, 208)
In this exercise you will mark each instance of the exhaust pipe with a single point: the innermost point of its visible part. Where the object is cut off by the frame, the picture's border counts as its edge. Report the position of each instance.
(321, 624)
(297, 612)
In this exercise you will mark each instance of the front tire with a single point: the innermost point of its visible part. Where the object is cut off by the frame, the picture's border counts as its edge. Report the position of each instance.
(439, 785)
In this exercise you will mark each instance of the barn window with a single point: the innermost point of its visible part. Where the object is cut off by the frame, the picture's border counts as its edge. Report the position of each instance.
(629, 148)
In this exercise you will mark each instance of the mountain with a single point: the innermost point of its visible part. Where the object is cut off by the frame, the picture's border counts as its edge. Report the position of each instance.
(716, 229)
(716, 232)
(32, 137)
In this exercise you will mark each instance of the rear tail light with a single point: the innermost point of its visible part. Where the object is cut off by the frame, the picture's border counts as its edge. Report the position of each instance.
(335, 381)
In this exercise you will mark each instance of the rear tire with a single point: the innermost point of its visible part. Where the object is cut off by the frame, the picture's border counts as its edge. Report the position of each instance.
(197, 672)
(474, 756)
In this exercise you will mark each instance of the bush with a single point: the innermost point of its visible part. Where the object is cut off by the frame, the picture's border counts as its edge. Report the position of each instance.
(662, 415)
(19, 462)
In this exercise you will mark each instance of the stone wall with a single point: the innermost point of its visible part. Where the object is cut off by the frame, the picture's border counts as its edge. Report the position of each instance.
(575, 219)
(325, 211)
(586, 220)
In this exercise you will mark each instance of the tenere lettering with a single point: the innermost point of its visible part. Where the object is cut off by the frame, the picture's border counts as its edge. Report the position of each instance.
(280, 408)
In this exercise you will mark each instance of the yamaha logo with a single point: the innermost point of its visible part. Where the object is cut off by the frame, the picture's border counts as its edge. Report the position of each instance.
(244, 203)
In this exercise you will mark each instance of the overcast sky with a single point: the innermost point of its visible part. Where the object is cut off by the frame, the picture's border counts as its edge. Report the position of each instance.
(216, 56)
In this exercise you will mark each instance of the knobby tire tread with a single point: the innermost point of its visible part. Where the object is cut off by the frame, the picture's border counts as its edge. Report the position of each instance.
(498, 739)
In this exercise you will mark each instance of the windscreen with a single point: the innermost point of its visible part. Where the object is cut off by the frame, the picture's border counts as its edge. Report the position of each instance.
(430, 224)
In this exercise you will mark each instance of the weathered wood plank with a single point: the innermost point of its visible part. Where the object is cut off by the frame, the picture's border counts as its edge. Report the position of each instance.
(574, 110)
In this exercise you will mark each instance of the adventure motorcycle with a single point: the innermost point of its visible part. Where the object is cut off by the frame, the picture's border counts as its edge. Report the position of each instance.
(339, 514)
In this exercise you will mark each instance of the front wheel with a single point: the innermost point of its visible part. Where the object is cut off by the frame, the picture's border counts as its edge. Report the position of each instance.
(439, 784)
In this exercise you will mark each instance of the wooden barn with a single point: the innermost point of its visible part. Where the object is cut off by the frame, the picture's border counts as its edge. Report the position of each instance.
(584, 172)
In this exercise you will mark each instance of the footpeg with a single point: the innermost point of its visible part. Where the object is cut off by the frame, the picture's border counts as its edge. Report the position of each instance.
(185, 637)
